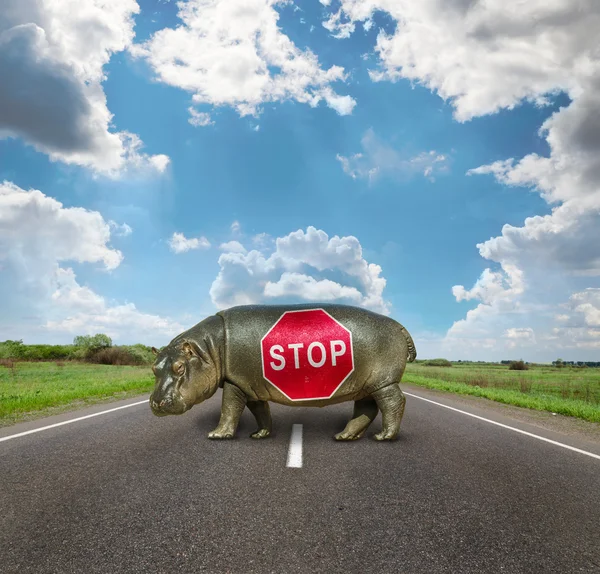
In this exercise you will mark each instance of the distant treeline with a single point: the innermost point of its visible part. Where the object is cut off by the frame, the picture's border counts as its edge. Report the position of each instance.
(558, 363)
(89, 348)
(561, 363)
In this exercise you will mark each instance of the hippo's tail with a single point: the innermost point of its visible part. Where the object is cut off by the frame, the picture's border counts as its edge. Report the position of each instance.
(412, 351)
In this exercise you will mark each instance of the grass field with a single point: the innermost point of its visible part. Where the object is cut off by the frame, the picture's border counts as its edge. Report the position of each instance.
(29, 390)
(568, 390)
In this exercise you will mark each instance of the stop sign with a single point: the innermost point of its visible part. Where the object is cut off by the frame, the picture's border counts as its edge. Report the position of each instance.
(307, 354)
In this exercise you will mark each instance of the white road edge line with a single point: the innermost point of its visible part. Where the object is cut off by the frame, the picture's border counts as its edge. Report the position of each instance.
(294, 459)
(506, 426)
(70, 421)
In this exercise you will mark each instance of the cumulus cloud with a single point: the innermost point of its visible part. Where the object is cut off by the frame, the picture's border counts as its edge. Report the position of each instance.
(302, 266)
(519, 337)
(577, 327)
(506, 284)
(180, 244)
(481, 56)
(40, 294)
(233, 247)
(484, 57)
(379, 159)
(54, 54)
(232, 53)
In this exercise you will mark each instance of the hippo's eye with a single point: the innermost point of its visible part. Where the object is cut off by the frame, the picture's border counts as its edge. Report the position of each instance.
(178, 367)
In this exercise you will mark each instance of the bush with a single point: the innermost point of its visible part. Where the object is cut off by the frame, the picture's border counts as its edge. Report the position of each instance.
(518, 366)
(17, 351)
(89, 345)
(12, 349)
(143, 354)
(438, 363)
(116, 356)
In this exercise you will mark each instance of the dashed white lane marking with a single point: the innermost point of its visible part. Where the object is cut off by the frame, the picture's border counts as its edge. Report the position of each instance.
(294, 459)
(70, 421)
(507, 427)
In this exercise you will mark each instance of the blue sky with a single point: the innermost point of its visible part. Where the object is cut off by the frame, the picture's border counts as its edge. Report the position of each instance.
(304, 177)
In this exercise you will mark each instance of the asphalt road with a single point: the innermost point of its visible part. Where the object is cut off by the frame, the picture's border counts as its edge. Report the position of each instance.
(129, 492)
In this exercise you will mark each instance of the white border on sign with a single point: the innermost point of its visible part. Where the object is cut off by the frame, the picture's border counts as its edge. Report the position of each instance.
(262, 358)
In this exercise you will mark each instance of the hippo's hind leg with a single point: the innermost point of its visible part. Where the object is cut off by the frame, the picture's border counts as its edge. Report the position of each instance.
(391, 401)
(262, 414)
(364, 414)
(232, 406)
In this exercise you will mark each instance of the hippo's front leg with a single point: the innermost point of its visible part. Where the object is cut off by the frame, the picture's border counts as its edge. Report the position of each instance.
(262, 414)
(232, 406)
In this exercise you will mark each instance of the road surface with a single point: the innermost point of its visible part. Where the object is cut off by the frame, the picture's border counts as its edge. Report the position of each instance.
(129, 492)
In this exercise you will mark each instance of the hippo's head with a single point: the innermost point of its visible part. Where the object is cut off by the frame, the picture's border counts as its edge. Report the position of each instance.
(185, 375)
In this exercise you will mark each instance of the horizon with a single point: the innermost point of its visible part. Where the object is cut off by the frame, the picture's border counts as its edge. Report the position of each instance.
(160, 161)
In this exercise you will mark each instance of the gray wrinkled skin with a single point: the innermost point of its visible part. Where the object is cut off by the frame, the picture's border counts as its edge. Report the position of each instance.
(224, 351)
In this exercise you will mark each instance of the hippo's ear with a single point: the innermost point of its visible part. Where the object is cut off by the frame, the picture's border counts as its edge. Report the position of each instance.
(191, 349)
(155, 350)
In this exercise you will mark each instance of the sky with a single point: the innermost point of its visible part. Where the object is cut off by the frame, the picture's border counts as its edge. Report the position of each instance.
(435, 161)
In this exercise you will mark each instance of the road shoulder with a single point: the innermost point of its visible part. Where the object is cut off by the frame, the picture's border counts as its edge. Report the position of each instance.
(570, 430)
(67, 412)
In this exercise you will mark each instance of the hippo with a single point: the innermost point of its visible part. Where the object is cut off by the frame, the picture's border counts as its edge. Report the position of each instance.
(295, 355)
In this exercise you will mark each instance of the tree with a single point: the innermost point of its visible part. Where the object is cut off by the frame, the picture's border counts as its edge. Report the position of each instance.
(12, 349)
(93, 342)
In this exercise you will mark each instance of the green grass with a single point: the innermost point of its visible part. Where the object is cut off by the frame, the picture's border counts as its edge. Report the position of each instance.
(569, 391)
(47, 388)
(38, 389)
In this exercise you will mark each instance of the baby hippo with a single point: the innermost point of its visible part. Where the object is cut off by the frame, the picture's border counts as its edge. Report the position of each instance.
(296, 355)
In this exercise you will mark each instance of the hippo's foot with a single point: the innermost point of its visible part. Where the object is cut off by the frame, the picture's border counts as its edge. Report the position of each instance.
(345, 435)
(220, 434)
(261, 433)
(383, 435)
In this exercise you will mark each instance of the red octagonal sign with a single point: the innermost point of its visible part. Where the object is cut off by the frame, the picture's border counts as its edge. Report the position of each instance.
(307, 355)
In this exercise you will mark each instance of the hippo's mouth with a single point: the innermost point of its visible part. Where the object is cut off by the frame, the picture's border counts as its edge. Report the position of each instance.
(168, 406)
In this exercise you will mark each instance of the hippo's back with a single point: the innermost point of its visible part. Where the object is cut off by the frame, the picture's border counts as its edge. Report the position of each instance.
(378, 348)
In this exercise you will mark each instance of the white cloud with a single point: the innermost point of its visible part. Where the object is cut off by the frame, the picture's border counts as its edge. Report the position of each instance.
(302, 266)
(41, 297)
(519, 337)
(586, 305)
(37, 226)
(578, 326)
(506, 284)
(232, 247)
(379, 159)
(54, 54)
(199, 119)
(121, 322)
(262, 240)
(180, 244)
(232, 53)
(483, 57)
(306, 287)
(122, 230)
(235, 227)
